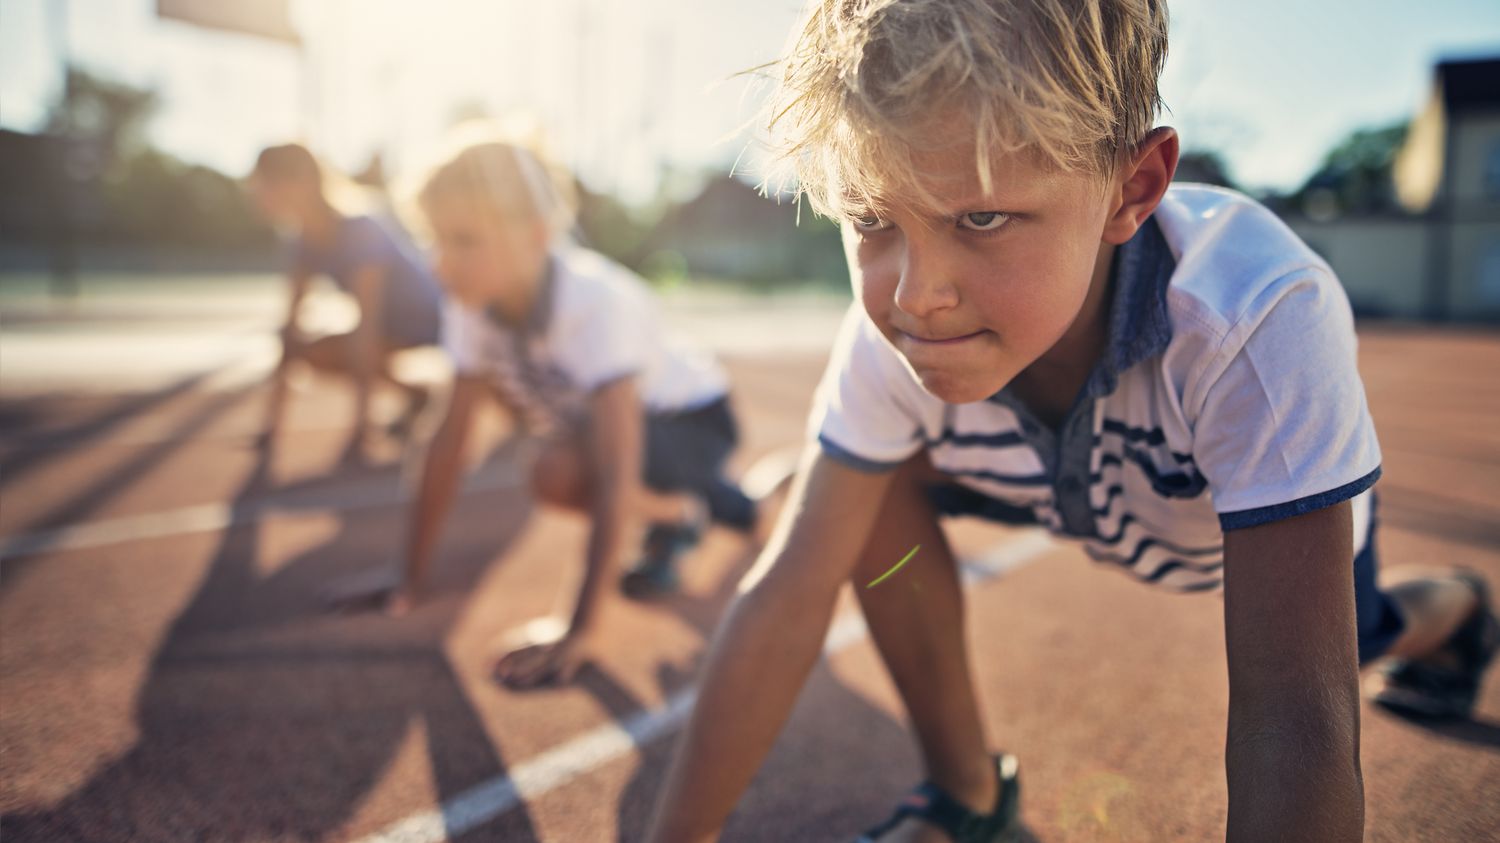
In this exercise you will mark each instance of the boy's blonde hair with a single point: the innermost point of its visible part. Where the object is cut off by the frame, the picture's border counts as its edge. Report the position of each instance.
(501, 167)
(866, 83)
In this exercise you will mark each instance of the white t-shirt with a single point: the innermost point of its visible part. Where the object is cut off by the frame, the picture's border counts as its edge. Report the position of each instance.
(1229, 396)
(594, 322)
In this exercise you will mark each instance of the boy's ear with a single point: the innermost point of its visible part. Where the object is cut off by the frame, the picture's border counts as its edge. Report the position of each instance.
(1139, 183)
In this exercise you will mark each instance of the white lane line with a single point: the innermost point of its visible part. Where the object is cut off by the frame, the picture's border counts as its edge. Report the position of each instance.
(210, 517)
(593, 749)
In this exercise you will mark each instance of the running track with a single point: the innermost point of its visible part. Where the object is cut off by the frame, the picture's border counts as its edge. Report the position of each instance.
(167, 674)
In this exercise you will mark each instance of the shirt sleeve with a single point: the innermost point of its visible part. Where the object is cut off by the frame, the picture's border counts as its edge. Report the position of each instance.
(609, 334)
(368, 243)
(866, 412)
(1284, 428)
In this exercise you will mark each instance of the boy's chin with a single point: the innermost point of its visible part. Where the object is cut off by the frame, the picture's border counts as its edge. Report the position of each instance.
(952, 389)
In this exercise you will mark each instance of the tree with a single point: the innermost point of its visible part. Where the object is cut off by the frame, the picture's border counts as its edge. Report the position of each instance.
(1356, 174)
(125, 188)
(1204, 166)
(111, 113)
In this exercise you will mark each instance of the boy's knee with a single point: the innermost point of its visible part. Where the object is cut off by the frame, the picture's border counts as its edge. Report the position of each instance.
(557, 478)
(327, 354)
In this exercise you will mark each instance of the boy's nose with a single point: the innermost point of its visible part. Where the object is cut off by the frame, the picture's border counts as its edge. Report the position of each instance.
(926, 285)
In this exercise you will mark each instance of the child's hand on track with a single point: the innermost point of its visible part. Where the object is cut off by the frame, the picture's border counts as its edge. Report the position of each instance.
(368, 591)
(547, 654)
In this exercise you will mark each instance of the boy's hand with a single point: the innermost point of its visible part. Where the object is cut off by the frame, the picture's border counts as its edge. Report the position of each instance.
(369, 591)
(543, 652)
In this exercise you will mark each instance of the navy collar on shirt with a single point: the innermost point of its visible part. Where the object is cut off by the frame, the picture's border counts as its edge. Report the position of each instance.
(1139, 327)
(541, 309)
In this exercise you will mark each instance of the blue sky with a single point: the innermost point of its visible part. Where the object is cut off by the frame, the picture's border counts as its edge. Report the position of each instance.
(629, 86)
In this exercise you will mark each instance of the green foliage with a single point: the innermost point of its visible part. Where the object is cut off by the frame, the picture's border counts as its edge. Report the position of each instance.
(1356, 174)
(1204, 166)
(613, 228)
(156, 198)
(94, 107)
(147, 195)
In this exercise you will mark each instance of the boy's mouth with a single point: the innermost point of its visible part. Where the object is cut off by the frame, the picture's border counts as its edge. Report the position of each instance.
(920, 339)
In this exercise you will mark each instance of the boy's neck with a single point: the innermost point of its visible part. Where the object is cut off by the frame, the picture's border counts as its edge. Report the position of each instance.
(320, 222)
(1050, 385)
(515, 309)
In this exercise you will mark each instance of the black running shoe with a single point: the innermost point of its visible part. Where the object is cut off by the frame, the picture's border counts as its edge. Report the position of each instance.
(1448, 686)
(655, 575)
(931, 805)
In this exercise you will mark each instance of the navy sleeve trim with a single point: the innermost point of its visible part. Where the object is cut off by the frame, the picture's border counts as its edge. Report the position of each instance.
(1276, 512)
(839, 453)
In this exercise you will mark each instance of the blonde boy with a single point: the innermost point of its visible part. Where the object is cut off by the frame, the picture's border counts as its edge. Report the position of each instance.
(1047, 331)
(633, 425)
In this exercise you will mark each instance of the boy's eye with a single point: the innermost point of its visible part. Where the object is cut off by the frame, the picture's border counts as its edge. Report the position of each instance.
(869, 222)
(982, 220)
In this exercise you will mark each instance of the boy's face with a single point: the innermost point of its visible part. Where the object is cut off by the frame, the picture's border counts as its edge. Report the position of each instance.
(974, 293)
(483, 257)
(275, 199)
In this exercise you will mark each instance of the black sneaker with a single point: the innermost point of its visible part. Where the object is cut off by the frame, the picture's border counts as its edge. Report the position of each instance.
(931, 805)
(655, 575)
(1448, 687)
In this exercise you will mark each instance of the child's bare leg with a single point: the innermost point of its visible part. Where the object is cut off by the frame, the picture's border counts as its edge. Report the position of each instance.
(917, 621)
(276, 401)
(561, 477)
(1433, 608)
(416, 396)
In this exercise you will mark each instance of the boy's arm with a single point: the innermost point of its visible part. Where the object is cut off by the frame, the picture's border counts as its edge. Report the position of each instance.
(298, 280)
(441, 470)
(766, 645)
(614, 446)
(370, 292)
(1292, 755)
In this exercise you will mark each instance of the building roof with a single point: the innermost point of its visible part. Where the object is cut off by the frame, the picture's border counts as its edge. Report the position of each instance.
(1469, 84)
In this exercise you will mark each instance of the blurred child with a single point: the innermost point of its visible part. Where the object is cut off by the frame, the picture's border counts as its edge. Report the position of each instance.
(397, 297)
(1049, 332)
(633, 425)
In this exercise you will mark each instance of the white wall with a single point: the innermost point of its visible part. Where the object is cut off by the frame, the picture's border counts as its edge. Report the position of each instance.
(1381, 262)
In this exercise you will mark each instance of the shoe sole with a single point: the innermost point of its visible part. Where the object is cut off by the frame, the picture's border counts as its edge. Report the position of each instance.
(1411, 703)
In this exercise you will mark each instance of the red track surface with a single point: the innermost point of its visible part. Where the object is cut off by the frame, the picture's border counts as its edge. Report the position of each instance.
(188, 687)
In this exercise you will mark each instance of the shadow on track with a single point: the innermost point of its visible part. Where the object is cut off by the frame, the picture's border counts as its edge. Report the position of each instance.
(262, 718)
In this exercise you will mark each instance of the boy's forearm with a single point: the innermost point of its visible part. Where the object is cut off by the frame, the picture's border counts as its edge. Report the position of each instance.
(606, 537)
(366, 348)
(441, 472)
(759, 660)
(1295, 785)
(297, 283)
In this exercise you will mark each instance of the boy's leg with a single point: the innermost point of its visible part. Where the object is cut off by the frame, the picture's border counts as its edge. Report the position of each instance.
(276, 402)
(561, 477)
(1433, 608)
(1437, 629)
(916, 619)
(416, 396)
(332, 354)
